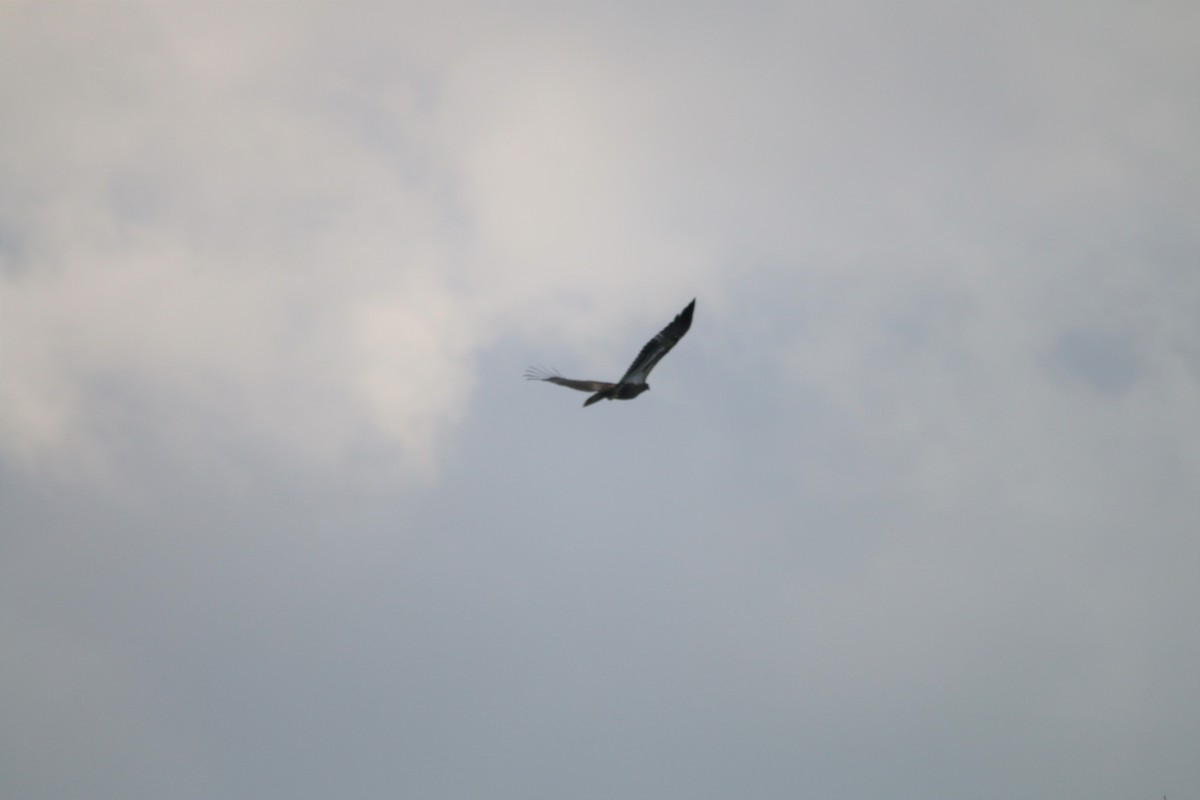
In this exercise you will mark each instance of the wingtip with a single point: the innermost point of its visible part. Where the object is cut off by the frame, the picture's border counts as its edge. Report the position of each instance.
(539, 373)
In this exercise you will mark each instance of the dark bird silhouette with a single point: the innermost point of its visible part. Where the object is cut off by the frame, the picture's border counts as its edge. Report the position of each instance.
(633, 382)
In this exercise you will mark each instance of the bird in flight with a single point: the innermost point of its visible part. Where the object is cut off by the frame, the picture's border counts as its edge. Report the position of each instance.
(633, 382)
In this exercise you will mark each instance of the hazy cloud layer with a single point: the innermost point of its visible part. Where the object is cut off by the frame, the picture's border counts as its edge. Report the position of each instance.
(911, 511)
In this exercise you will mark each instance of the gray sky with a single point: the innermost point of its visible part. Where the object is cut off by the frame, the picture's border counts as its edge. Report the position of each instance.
(912, 511)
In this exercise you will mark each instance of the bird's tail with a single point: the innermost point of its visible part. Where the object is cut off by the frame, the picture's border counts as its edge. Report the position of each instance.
(603, 394)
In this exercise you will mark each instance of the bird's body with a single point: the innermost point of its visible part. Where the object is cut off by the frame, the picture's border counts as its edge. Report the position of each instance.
(633, 382)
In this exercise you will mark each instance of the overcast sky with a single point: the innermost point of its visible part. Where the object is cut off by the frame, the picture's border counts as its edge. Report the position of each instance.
(913, 511)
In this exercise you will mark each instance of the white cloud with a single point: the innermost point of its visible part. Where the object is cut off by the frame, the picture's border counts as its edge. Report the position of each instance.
(188, 226)
(236, 219)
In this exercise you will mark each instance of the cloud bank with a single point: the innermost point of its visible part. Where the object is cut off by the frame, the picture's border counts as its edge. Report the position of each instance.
(910, 512)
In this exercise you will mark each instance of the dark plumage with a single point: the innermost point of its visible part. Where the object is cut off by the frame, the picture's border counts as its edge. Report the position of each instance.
(633, 382)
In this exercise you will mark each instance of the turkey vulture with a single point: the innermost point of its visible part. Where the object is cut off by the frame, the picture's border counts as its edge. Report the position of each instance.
(633, 382)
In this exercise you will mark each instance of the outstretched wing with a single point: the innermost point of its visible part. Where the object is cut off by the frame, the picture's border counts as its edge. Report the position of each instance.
(543, 374)
(659, 346)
